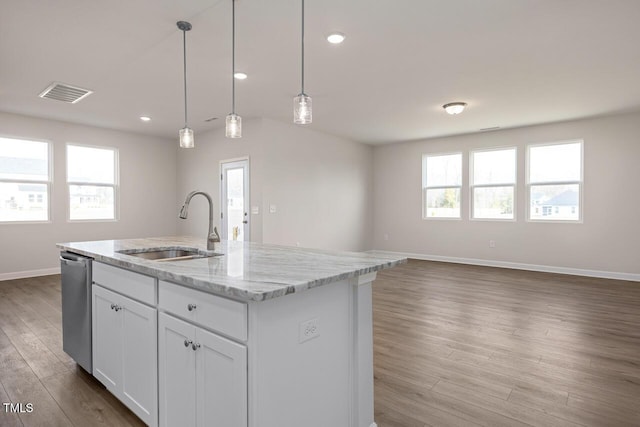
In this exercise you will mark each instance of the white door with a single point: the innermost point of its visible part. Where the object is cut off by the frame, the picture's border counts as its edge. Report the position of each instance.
(107, 338)
(177, 372)
(221, 379)
(234, 199)
(139, 361)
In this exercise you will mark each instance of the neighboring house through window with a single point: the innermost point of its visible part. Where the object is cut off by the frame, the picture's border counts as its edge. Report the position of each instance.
(555, 181)
(25, 180)
(92, 179)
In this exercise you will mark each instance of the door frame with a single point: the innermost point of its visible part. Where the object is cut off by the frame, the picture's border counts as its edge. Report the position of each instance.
(247, 197)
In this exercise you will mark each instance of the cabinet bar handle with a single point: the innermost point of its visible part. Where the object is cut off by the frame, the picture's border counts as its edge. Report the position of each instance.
(191, 307)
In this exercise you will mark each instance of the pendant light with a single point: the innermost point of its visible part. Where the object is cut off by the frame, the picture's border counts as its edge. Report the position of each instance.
(186, 133)
(234, 121)
(302, 102)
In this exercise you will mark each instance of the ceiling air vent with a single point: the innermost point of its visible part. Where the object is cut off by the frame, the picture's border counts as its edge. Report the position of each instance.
(65, 93)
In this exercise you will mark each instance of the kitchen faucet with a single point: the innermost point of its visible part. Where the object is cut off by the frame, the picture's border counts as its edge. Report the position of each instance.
(213, 236)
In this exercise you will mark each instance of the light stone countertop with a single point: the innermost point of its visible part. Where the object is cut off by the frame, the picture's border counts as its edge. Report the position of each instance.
(246, 271)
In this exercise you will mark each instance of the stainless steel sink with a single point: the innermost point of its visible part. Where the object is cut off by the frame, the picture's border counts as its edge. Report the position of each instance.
(169, 254)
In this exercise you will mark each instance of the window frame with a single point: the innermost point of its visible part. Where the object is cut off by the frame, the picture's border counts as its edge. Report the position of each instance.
(48, 182)
(425, 187)
(579, 183)
(473, 186)
(115, 185)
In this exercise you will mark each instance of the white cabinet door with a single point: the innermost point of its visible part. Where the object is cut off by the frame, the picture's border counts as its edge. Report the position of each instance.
(221, 377)
(107, 335)
(125, 351)
(177, 363)
(139, 360)
(202, 383)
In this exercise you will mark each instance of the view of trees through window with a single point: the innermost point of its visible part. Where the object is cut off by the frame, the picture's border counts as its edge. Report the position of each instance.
(442, 182)
(553, 175)
(24, 180)
(493, 183)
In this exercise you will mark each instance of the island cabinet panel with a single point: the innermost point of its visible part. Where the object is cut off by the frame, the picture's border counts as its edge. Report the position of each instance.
(203, 376)
(219, 314)
(125, 351)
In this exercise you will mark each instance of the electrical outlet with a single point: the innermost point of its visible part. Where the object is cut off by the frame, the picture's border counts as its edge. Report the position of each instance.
(309, 329)
(492, 243)
(385, 236)
(272, 209)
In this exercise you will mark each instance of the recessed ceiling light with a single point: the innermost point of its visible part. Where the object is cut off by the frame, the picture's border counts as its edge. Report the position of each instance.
(454, 107)
(335, 38)
(145, 118)
(240, 75)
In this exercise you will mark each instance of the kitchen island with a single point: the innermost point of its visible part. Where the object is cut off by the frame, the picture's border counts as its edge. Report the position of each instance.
(245, 335)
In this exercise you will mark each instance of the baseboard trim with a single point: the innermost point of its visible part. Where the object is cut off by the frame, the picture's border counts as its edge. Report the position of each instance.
(519, 266)
(29, 273)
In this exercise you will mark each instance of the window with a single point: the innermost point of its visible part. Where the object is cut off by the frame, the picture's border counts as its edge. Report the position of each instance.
(493, 181)
(555, 181)
(441, 185)
(92, 181)
(25, 180)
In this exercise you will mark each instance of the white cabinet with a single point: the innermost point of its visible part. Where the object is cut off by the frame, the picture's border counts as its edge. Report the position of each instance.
(203, 376)
(125, 351)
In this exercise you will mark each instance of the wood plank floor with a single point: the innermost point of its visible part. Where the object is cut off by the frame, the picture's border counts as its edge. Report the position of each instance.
(34, 369)
(459, 345)
(454, 345)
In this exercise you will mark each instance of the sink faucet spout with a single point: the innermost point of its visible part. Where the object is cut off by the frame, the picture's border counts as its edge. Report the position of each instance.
(212, 236)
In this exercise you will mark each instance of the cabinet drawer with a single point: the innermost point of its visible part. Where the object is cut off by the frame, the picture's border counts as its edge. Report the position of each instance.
(213, 312)
(134, 285)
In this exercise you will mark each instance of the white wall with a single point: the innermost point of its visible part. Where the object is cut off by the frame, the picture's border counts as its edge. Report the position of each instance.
(321, 184)
(607, 240)
(147, 194)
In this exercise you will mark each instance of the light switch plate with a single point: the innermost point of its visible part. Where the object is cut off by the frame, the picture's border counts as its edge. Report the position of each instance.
(272, 208)
(255, 210)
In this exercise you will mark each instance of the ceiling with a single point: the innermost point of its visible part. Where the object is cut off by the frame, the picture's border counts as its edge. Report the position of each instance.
(514, 62)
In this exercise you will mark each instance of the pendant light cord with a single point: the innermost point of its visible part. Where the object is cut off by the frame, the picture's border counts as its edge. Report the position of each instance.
(184, 50)
(302, 38)
(233, 56)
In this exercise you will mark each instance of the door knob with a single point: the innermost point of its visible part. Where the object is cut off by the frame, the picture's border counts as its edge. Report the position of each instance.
(195, 346)
(191, 307)
(187, 343)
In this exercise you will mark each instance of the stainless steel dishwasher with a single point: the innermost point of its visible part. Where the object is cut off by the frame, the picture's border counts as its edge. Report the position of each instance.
(76, 308)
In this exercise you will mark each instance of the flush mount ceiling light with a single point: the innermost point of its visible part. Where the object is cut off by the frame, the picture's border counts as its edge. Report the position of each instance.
(240, 75)
(234, 121)
(186, 134)
(302, 102)
(454, 107)
(145, 118)
(335, 38)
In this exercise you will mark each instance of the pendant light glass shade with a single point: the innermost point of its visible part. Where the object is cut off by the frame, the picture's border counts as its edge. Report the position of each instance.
(302, 102)
(186, 138)
(302, 109)
(234, 121)
(186, 133)
(234, 126)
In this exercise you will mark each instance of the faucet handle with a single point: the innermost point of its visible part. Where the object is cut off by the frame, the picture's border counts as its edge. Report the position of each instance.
(217, 236)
